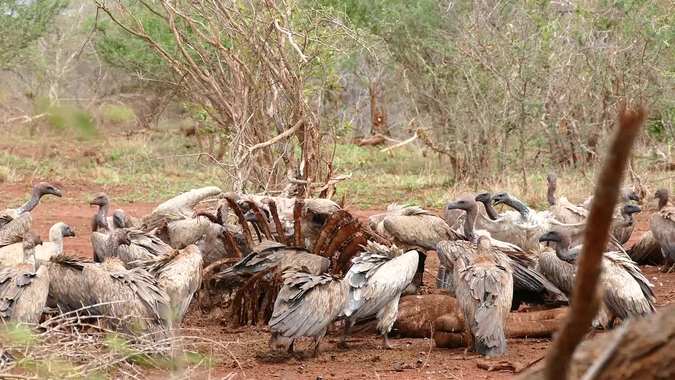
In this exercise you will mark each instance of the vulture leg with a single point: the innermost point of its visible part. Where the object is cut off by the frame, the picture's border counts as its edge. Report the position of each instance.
(290, 346)
(387, 345)
(317, 344)
(345, 333)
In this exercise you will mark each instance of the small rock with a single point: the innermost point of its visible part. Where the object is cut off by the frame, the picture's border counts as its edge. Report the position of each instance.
(398, 367)
(319, 378)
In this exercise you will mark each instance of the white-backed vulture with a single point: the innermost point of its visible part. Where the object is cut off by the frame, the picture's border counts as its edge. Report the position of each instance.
(623, 227)
(627, 194)
(180, 276)
(646, 251)
(562, 209)
(13, 253)
(626, 291)
(662, 225)
(484, 289)
(14, 223)
(179, 207)
(23, 288)
(305, 306)
(128, 244)
(270, 254)
(129, 299)
(529, 286)
(376, 280)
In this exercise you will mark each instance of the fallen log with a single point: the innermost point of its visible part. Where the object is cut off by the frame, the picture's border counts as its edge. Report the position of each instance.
(640, 349)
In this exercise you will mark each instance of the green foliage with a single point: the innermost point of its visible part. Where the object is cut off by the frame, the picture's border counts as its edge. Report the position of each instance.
(23, 22)
(120, 49)
(63, 117)
(117, 114)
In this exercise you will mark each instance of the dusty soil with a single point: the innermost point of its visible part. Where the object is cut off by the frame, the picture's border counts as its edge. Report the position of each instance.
(248, 355)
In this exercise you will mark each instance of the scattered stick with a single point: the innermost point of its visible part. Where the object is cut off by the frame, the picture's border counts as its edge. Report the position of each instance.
(402, 143)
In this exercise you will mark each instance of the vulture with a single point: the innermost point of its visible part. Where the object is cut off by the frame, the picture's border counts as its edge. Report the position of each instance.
(176, 221)
(376, 280)
(507, 226)
(413, 228)
(623, 227)
(104, 223)
(269, 254)
(16, 222)
(112, 242)
(662, 226)
(627, 194)
(646, 251)
(484, 289)
(13, 253)
(180, 276)
(130, 300)
(315, 212)
(24, 287)
(626, 291)
(560, 208)
(305, 306)
(528, 285)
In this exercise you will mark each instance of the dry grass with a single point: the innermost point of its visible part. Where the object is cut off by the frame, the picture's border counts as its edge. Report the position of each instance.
(68, 346)
(154, 166)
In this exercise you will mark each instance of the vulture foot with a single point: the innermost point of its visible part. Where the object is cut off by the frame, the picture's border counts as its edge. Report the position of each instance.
(387, 344)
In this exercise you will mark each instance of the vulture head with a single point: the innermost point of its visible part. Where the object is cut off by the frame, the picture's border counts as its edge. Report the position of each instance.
(628, 210)
(62, 229)
(119, 218)
(100, 200)
(552, 180)
(561, 240)
(662, 196)
(44, 188)
(631, 195)
(501, 198)
(465, 203)
(484, 198)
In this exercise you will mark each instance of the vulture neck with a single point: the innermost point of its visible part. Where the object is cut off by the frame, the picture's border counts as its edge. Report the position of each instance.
(29, 257)
(101, 218)
(562, 250)
(550, 194)
(32, 202)
(663, 201)
(490, 210)
(518, 206)
(469, 222)
(56, 237)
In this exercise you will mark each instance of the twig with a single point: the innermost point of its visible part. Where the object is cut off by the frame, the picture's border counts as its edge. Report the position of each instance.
(402, 143)
(605, 197)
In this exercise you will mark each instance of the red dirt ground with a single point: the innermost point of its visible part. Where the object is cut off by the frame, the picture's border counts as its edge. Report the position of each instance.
(249, 356)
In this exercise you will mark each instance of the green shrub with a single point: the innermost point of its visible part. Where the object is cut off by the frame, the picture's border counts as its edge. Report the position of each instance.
(117, 114)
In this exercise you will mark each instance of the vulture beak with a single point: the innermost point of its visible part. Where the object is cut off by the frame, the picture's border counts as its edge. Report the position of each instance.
(631, 209)
(68, 232)
(56, 192)
(453, 206)
(548, 237)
